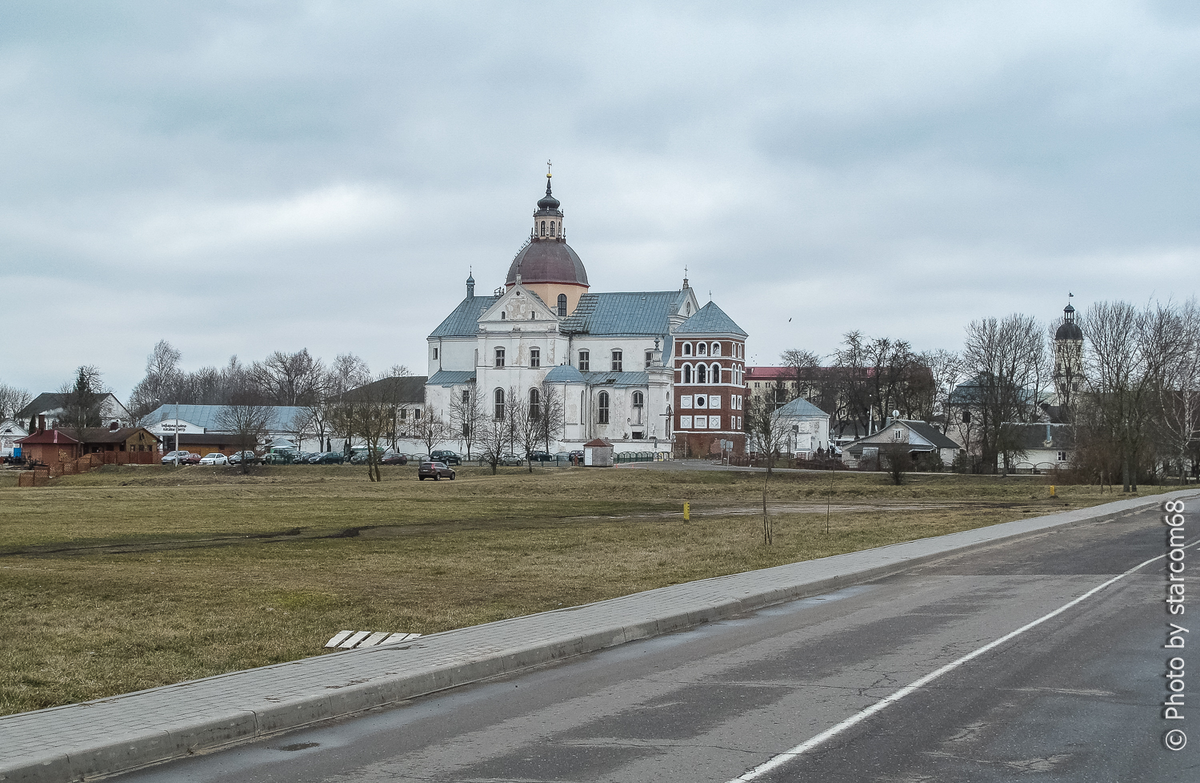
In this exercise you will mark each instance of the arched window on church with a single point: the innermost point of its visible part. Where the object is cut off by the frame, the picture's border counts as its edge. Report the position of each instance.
(602, 408)
(701, 350)
(687, 373)
(716, 373)
(535, 405)
(716, 350)
(701, 373)
(562, 305)
(639, 402)
(687, 349)
(543, 229)
(551, 228)
(498, 398)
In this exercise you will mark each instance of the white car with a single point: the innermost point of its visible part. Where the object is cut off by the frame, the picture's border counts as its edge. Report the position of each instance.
(216, 458)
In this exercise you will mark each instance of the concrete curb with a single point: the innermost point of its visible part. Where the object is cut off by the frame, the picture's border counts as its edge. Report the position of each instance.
(120, 734)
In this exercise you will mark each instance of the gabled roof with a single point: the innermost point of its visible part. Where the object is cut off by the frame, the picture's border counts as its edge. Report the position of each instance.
(710, 319)
(120, 435)
(1035, 436)
(632, 313)
(926, 435)
(53, 401)
(464, 320)
(48, 436)
(801, 408)
(401, 389)
(450, 378)
(283, 418)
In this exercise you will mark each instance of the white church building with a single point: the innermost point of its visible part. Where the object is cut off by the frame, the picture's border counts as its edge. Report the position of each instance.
(608, 357)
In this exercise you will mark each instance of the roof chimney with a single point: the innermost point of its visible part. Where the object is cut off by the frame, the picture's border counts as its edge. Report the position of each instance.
(41, 422)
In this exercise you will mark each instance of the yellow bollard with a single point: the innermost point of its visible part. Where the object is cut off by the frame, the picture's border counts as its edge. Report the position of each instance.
(1052, 491)
(687, 511)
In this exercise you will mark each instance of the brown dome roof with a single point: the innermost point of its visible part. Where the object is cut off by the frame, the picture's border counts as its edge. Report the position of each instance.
(547, 261)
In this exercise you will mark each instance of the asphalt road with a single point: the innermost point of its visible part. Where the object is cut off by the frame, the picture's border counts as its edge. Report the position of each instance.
(1074, 698)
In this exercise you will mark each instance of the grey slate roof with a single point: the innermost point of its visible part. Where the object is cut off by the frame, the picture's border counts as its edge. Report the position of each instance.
(400, 389)
(630, 313)
(931, 434)
(801, 408)
(450, 378)
(464, 320)
(710, 319)
(1034, 436)
(283, 417)
(566, 373)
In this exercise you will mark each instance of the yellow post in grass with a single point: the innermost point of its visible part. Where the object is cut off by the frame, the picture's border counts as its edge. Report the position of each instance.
(1052, 491)
(687, 511)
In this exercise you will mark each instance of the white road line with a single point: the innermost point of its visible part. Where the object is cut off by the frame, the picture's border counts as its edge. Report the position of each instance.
(783, 758)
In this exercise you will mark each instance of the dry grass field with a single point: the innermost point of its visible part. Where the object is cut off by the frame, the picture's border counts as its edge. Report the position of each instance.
(130, 578)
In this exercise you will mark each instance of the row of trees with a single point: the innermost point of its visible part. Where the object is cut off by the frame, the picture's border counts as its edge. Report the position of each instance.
(509, 425)
(1136, 408)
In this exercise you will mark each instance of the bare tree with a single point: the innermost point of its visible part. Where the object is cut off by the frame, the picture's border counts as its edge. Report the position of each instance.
(896, 460)
(1177, 382)
(527, 423)
(161, 384)
(246, 418)
(12, 401)
(1123, 368)
(1007, 362)
(554, 414)
(290, 379)
(946, 370)
(466, 416)
(494, 432)
(431, 430)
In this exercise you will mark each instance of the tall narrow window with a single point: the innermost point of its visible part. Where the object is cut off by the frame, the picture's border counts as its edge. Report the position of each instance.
(585, 362)
(701, 373)
(499, 358)
(498, 397)
(649, 358)
(716, 373)
(562, 305)
(687, 349)
(435, 352)
(535, 357)
(687, 373)
(716, 349)
(639, 402)
(602, 408)
(551, 228)
(466, 397)
(701, 349)
(543, 229)
(616, 361)
(535, 404)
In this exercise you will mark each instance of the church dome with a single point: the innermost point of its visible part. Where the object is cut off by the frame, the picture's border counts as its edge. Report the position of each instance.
(1069, 329)
(547, 258)
(547, 261)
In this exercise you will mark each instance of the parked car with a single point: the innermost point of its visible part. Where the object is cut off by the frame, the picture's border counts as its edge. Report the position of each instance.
(174, 457)
(447, 457)
(392, 458)
(279, 457)
(216, 458)
(511, 459)
(435, 471)
(247, 456)
(541, 456)
(191, 459)
(327, 458)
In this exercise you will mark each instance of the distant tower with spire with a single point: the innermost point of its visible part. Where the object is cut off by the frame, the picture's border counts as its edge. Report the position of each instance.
(1068, 360)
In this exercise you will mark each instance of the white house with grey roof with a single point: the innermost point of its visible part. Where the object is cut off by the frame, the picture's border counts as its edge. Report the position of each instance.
(607, 356)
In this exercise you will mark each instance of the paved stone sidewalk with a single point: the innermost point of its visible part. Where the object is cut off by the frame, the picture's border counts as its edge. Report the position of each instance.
(122, 733)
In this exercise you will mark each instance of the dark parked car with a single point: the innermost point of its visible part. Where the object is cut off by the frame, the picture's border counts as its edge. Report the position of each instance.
(435, 471)
(541, 456)
(327, 458)
(447, 457)
(248, 456)
(394, 459)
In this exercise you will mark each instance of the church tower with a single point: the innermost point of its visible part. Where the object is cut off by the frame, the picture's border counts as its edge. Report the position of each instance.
(546, 264)
(1068, 361)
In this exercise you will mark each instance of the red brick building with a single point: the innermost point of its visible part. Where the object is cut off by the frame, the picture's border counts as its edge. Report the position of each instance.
(709, 362)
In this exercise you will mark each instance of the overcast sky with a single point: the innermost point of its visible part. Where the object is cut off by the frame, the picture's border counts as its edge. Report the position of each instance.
(238, 178)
